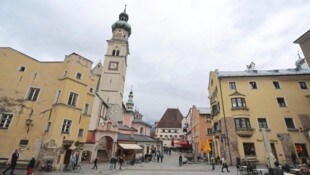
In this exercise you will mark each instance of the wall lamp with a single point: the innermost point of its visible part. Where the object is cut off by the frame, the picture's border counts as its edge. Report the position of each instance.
(29, 123)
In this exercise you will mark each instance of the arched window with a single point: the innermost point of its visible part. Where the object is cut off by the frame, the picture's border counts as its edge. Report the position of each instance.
(141, 131)
(113, 53)
(117, 53)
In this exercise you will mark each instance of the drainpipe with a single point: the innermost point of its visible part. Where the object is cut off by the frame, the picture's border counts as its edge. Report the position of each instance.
(228, 143)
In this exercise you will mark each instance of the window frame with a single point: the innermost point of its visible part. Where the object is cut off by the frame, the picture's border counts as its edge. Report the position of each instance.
(81, 132)
(232, 85)
(292, 123)
(72, 101)
(6, 123)
(33, 94)
(242, 123)
(67, 129)
(252, 84)
(249, 148)
(260, 123)
(78, 76)
(277, 85)
(239, 102)
(303, 85)
(281, 104)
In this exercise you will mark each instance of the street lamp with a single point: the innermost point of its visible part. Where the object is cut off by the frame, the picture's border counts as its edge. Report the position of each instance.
(29, 123)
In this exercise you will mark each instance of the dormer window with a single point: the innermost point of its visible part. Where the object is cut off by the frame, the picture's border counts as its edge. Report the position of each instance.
(22, 69)
(79, 76)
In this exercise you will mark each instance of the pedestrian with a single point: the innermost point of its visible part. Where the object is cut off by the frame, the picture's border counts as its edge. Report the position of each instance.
(158, 157)
(112, 163)
(212, 162)
(277, 170)
(121, 161)
(31, 165)
(161, 158)
(95, 163)
(180, 160)
(224, 165)
(14, 158)
(73, 160)
(133, 160)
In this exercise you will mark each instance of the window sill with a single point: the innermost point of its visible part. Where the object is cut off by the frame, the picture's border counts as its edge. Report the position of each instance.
(292, 129)
(240, 108)
(267, 129)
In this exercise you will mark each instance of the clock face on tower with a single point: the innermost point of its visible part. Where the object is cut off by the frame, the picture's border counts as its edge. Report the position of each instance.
(113, 65)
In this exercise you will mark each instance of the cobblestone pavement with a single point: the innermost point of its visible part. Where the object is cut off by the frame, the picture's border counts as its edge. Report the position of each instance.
(169, 166)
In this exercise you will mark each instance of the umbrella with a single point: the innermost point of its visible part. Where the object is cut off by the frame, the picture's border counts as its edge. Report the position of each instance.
(207, 146)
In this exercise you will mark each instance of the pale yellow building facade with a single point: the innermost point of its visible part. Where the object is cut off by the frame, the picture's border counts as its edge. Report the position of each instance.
(242, 102)
(45, 107)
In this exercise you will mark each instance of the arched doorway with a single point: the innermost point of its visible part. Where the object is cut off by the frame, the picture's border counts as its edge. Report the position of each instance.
(105, 147)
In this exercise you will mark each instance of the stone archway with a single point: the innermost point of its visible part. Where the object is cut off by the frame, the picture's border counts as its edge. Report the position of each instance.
(105, 148)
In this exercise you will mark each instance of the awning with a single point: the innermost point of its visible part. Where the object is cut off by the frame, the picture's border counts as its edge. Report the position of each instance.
(129, 146)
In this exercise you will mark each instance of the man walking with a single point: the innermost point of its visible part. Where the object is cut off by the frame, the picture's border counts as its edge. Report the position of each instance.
(95, 163)
(15, 156)
(224, 165)
(212, 162)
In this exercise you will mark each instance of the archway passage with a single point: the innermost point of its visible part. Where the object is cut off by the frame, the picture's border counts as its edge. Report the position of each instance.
(105, 148)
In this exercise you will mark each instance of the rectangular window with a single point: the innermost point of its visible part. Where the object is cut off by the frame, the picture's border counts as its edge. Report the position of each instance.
(276, 84)
(48, 126)
(249, 149)
(262, 123)
(209, 131)
(23, 142)
(281, 102)
(33, 94)
(301, 150)
(66, 126)
(303, 85)
(72, 99)
(238, 102)
(242, 123)
(5, 120)
(289, 123)
(86, 108)
(232, 86)
(253, 85)
(81, 131)
(57, 96)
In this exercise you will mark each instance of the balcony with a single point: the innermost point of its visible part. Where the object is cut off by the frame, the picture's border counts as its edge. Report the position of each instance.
(217, 133)
(244, 132)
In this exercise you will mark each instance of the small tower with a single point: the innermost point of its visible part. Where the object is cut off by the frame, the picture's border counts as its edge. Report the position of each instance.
(301, 63)
(130, 104)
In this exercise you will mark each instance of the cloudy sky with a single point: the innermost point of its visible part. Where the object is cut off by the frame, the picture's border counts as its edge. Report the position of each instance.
(174, 43)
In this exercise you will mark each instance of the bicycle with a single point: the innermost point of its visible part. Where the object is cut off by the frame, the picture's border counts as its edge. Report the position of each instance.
(70, 168)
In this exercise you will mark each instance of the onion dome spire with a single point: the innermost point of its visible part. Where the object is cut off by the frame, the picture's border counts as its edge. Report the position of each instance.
(122, 22)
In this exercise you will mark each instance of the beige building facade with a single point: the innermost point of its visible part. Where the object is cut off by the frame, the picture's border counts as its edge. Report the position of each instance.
(243, 102)
(45, 107)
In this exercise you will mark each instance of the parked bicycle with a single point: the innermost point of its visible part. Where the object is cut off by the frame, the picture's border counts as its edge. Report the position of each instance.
(70, 168)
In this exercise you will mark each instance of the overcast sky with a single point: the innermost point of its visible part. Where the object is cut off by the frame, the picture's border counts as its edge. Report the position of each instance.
(174, 43)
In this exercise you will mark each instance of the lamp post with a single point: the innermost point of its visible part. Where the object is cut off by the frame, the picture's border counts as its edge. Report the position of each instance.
(28, 123)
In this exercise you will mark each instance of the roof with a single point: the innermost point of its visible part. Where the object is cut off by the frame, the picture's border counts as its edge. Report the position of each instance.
(137, 120)
(124, 127)
(258, 73)
(172, 118)
(303, 37)
(136, 138)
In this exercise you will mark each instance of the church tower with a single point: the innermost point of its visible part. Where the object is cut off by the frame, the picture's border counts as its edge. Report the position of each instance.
(113, 76)
(130, 104)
